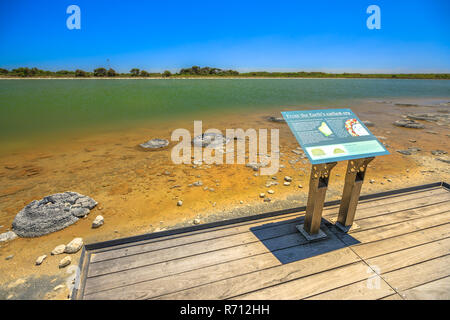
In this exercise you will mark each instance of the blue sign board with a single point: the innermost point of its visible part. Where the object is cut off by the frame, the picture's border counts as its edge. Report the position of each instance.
(332, 135)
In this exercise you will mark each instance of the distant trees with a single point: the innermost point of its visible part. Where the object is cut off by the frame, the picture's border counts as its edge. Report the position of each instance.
(167, 73)
(3, 71)
(111, 73)
(144, 73)
(207, 71)
(100, 72)
(134, 72)
(80, 73)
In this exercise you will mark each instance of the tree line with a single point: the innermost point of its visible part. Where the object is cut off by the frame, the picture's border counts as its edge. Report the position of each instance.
(196, 71)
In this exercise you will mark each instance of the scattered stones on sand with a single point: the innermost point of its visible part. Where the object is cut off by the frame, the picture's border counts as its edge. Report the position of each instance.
(409, 151)
(74, 245)
(409, 124)
(444, 160)
(297, 152)
(372, 181)
(270, 191)
(179, 203)
(65, 262)
(241, 202)
(262, 195)
(286, 183)
(276, 119)
(438, 152)
(368, 123)
(198, 183)
(300, 186)
(389, 180)
(154, 144)
(196, 221)
(52, 213)
(40, 259)
(253, 165)
(412, 140)
(287, 179)
(210, 140)
(58, 249)
(7, 236)
(98, 221)
(9, 257)
(59, 287)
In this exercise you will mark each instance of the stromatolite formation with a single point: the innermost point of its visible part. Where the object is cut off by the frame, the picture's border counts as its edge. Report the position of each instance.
(154, 144)
(210, 140)
(52, 213)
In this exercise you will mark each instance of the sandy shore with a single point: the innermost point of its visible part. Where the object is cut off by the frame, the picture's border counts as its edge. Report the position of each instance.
(138, 191)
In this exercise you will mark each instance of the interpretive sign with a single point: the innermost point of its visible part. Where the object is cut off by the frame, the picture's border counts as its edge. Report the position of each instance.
(332, 135)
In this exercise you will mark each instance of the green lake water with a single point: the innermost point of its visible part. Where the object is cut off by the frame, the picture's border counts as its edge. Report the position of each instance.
(32, 107)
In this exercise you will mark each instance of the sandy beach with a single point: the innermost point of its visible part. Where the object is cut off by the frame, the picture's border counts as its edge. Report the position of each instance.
(137, 191)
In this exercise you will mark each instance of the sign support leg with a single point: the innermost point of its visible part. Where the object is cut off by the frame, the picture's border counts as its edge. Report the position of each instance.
(354, 178)
(318, 184)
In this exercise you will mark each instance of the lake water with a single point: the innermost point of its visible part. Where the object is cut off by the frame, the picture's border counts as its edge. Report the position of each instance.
(33, 107)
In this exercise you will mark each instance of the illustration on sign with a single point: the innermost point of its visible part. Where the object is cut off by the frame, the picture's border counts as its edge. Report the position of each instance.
(332, 135)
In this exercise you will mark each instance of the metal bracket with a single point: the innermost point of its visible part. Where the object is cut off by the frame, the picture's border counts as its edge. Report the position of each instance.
(354, 178)
(318, 184)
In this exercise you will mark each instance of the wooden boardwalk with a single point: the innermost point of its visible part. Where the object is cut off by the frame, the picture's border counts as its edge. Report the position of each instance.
(398, 250)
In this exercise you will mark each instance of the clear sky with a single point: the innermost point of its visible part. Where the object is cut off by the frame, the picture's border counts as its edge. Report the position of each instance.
(275, 35)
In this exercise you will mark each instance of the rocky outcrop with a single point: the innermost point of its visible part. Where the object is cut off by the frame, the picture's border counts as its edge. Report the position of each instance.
(52, 213)
(154, 144)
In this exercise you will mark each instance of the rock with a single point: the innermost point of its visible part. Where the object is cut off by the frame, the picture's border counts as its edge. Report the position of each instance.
(65, 262)
(9, 257)
(443, 160)
(98, 221)
(179, 203)
(267, 200)
(287, 183)
(270, 191)
(262, 195)
(288, 179)
(438, 152)
(198, 183)
(210, 140)
(74, 245)
(409, 124)
(372, 181)
(241, 202)
(40, 259)
(297, 152)
(368, 123)
(154, 144)
(276, 119)
(7, 236)
(254, 166)
(196, 221)
(59, 287)
(52, 213)
(388, 180)
(300, 186)
(59, 249)
(412, 140)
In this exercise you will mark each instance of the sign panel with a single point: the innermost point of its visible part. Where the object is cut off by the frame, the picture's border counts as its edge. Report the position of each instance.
(332, 135)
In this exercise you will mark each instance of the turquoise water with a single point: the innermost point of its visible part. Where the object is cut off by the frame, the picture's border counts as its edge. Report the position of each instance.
(33, 107)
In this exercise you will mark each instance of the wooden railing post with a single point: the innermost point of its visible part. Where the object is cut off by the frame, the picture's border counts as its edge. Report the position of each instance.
(354, 178)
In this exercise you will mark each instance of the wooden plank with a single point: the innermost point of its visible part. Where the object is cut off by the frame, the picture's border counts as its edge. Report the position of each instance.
(227, 288)
(401, 216)
(191, 249)
(157, 244)
(361, 290)
(147, 248)
(313, 284)
(111, 280)
(418, 237)
(435, 290)
(395, 296)
(410, 256)
(418, 274)
(388, 231)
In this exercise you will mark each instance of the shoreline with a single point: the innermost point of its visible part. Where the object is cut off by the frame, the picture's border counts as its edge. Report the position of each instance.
(212, 78)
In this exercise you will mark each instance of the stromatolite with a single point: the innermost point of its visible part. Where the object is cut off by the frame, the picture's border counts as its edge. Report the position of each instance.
(52, 213)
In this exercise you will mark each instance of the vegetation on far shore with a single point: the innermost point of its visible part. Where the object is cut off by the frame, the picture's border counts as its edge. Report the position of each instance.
(197, 71)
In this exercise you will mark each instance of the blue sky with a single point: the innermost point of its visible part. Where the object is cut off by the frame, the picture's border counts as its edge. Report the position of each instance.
(272, 35)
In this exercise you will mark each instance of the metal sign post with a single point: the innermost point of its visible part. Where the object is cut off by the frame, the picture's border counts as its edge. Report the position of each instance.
(354, 178)
(318, 184)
